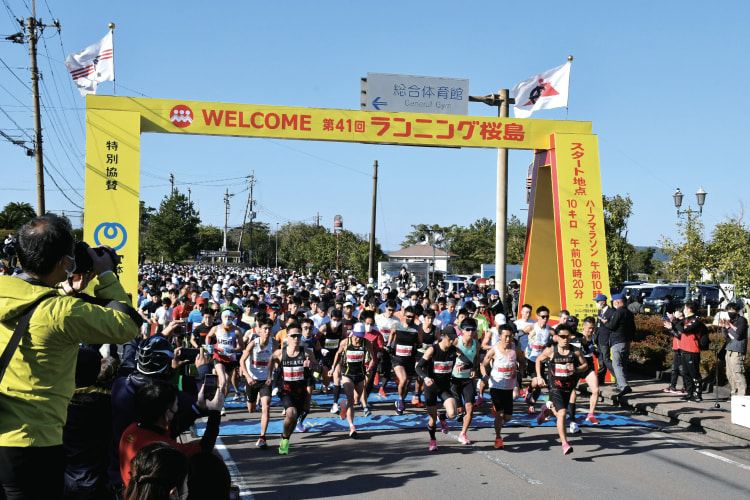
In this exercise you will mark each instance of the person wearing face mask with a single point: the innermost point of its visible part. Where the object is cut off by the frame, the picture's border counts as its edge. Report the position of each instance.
(331, 335)
(403, 347)
(228, 340)
(735, 332)
(156, 406)
(372, 335)
(39, 382)
(601, 337)
(539, 333)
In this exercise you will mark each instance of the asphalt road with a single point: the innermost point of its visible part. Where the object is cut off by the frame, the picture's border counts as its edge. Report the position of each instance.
(607, 462)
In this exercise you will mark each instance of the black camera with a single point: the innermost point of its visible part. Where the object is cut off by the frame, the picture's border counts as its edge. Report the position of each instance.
(84, 264)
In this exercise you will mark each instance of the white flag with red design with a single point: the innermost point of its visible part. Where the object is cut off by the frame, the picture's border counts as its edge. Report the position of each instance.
(543, 91)
(92, 65)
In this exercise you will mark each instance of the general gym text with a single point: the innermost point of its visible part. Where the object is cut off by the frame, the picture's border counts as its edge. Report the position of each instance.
(271, 121)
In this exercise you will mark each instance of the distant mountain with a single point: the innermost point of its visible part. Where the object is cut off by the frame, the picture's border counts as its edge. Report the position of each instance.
(658, 254)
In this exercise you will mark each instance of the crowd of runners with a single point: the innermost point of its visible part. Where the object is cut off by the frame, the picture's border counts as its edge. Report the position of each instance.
(275, 334)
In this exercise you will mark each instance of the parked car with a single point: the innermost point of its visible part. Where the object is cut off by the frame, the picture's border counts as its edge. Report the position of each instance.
(637, 293)
(663, 296)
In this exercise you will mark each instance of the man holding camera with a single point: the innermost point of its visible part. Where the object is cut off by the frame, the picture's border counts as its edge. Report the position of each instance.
(39, 381)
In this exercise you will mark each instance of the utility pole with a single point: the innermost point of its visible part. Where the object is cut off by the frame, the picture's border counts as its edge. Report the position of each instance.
(252, 215)
(32, 24)
(226, 220)
(371, 266)
(317, 220)
(171, 182)
(188, 197)
(501, 213)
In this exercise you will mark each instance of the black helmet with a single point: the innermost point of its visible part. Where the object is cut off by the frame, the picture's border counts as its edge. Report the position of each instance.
(154, 356)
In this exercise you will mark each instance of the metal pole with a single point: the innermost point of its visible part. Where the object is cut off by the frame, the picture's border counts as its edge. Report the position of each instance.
(371, 265)
(277, 245)
(501, 212)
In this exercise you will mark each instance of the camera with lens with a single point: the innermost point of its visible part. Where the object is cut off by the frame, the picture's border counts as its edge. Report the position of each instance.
(84, 264)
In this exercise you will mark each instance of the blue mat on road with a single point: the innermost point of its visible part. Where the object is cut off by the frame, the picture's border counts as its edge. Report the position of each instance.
(416, 421)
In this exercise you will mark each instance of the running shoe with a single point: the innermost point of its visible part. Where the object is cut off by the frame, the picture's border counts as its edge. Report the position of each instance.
(444, 425)
(367, 411)
(261, 443)
(433, 445)
(573, 428)
(567, 449)
(399, 407)
(237, 397)
(670, 390)
(460, 416)
(223, 412)
(463, 439)
(382, 392)
(376, 380)
(275, 392)
(342, 413)
(590, 418)
(300, 427)
(531, 410)
(499, 443)
(283, 412)
(284, 446)
(323, 389)
(415, 401)
(542, 416)
(352, 432)
(480, 401)
(335, 408)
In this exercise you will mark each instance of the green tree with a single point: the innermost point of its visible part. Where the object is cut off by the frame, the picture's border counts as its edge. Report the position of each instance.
(209, 237)
(16, 214)
(617, 211)
(688, 254)
(516, 238)
(642, 261)
(173, 229)
(727, 254)
(474, 245)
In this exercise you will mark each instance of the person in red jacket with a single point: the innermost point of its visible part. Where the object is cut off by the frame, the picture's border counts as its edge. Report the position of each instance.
(688, 331)
(156, 406)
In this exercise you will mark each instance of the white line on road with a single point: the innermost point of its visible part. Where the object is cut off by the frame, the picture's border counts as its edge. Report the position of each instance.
(505, 465)
(702, 452)
(234, 471)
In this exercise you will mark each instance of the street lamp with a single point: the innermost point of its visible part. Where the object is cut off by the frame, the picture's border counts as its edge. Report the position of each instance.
(700, 197)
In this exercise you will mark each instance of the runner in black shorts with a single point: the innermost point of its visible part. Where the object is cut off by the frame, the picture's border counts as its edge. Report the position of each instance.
(297, 364)
(351, 355)
(506, 358)
(403, 346)
(435, 368)
(566, 366)
(254, 367)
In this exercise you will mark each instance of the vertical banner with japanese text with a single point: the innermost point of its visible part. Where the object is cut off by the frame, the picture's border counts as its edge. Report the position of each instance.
(579, 217)
(113, 149)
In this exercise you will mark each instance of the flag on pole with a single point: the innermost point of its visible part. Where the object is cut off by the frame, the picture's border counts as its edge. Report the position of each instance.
(92, 65)
(543, 91)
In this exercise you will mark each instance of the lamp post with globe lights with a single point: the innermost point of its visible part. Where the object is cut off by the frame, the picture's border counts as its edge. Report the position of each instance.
(700, 197)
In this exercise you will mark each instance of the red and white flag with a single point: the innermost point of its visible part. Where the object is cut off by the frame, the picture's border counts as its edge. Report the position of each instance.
(543, 91)
(92, 65)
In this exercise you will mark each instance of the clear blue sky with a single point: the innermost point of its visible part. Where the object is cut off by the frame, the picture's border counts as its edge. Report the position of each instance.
(663, 83)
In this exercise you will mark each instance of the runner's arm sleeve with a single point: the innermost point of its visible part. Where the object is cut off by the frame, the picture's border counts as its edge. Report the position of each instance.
(420, 368)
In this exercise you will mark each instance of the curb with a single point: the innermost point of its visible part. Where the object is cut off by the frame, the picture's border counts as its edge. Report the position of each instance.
(695, 418)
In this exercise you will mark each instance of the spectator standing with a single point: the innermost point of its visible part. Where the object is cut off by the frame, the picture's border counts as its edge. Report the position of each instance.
(735, 332)
(39, 381)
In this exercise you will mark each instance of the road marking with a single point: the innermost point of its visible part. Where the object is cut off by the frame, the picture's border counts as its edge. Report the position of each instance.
(234, 471)
(702, 452)
(505, 465)
(723, 459)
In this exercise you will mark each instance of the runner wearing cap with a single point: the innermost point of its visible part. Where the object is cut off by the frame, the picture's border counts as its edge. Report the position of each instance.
(228, 339)
(350, 357)
(464, 373)
(435, 367)
(386, 324)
